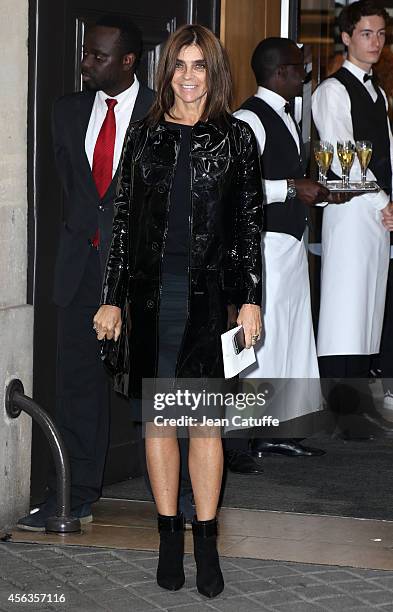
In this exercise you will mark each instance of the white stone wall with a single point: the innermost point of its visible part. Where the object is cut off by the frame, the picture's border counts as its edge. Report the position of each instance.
(16, 317)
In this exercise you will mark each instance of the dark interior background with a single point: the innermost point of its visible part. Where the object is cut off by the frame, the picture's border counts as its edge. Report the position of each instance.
(56, 32)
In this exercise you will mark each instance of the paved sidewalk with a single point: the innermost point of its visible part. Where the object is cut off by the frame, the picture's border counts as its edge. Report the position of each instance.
(93, 579)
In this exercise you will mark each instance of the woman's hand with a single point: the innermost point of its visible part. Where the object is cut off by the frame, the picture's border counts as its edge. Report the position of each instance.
(107, 322)
(250, 318)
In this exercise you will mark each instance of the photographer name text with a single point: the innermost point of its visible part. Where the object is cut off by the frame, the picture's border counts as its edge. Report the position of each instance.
(235, 421)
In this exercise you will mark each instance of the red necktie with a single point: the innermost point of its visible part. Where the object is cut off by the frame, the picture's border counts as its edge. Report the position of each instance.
(103, 156)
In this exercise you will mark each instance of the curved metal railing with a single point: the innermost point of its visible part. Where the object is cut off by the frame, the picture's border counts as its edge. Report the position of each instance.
(15, 402)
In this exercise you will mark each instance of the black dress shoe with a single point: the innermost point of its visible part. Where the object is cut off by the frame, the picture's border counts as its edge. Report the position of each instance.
(291, 448)
(36, 521)
(242, 462)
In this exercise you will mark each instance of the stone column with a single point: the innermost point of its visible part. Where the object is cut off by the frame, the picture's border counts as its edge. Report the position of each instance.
(16, 317)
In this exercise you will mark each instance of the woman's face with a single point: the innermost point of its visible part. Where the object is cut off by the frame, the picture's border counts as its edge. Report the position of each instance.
(189, 81)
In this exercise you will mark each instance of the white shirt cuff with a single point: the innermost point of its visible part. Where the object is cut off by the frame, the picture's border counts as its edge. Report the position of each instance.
(275, 191)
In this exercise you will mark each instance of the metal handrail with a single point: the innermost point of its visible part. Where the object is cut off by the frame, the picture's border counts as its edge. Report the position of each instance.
(15, 402)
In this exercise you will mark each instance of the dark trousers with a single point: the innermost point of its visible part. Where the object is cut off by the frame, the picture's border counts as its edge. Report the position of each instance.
(386, 351)
(82, 403)
(344, 381)
(344, 366)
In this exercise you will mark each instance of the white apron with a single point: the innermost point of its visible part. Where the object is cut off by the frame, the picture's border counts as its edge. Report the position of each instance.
(355, 260)
(287, 349)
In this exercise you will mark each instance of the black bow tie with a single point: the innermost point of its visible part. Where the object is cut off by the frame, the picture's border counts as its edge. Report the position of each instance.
(367, 77)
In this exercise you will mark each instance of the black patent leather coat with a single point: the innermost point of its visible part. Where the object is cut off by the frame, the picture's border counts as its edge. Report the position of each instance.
(225, 249)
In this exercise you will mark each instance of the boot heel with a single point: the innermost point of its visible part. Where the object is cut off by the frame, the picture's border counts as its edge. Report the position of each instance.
(170, 571)
(210, 581)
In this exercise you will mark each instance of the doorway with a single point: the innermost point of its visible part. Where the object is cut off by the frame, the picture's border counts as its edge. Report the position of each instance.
(55, 42)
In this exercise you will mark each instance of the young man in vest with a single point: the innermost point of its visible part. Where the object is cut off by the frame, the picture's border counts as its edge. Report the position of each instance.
(288, 348)
(355, 236)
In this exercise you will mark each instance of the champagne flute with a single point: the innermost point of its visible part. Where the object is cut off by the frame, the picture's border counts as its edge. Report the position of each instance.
(323, 152)
(346, 155)
(364, 149)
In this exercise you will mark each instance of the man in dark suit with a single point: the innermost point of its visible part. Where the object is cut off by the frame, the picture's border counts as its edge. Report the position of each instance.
(88, 134)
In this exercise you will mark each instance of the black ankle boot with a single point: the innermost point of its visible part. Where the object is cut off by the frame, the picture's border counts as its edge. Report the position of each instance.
(209, 577)
(170, 572)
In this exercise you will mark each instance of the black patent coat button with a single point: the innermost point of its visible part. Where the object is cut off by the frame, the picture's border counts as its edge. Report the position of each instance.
(100, 207)
(150, 304)
(155, 246)
(161, 189)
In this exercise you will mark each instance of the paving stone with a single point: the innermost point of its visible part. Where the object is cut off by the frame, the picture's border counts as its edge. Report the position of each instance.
(193, 608)
(93, 607)
(13, 563)
(274, 598)
(230, 564)
(274, 571)
(252, 586)
(357, 585)
(369, 573)
(317, 591)
(95, 558)
(150, 564)
(335, 575)
(134, 556)
(378, 597)
(340, 603)
(294, 581)
(167, 599)
(248, 563)
(109, 596)
(108, 567)
(133, 577)
(382, 581)
(237, 575)
(23, 608)
(302, 606)
(388, 608)
(119, 606)
(310, 567)
(55, 561)
(90, 582)
(238, 604)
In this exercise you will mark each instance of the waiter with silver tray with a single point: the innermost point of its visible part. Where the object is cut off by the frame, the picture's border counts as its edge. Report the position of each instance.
(349, 106)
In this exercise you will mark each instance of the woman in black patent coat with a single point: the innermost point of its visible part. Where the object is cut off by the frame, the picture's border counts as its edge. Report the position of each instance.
(185, 247)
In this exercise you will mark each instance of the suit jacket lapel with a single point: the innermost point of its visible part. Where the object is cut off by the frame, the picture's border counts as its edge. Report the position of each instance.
(85, 107)
(137, 112)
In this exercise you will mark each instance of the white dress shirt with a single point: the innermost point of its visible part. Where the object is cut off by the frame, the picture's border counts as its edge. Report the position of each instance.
(123, 111)
(275, 191)
(355, 244)
(287, 349)
(331, 109)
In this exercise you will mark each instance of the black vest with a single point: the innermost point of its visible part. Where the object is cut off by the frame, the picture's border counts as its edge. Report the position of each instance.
(280, 160)
(369, 122)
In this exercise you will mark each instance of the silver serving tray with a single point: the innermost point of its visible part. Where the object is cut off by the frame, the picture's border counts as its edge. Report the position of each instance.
(358, 188)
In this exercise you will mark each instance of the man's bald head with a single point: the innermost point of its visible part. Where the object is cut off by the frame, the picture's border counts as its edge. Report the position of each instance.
(269, 55)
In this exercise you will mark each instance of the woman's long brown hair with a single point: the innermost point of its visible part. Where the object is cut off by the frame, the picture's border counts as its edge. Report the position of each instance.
(218, 73)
